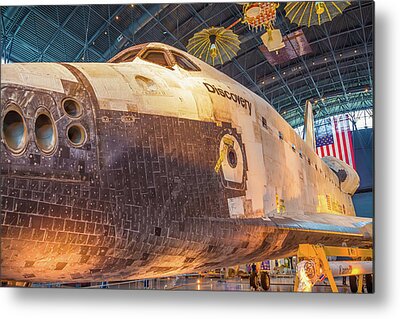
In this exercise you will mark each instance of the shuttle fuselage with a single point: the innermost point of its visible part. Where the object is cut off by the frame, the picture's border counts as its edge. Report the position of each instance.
(157, 170)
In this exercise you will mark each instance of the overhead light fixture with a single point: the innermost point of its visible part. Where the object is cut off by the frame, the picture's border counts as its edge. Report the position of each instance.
(117, 18)
(273, 78)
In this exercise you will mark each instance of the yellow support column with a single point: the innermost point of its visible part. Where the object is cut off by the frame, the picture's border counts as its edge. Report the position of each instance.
(319, 254)
(360, 284)
(325, 267)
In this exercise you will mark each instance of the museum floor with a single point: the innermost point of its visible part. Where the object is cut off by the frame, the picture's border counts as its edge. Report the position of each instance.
(278, 284)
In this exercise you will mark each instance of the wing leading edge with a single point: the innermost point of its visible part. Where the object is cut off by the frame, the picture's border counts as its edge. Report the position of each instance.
(325, 223)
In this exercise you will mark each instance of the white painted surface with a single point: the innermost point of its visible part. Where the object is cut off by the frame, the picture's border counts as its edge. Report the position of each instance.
(351, 268)
(273, 167)
(236, 207)
(232, 174)
(45, 76)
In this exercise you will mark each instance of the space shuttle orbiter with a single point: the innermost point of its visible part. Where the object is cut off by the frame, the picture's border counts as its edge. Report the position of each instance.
(155, 164)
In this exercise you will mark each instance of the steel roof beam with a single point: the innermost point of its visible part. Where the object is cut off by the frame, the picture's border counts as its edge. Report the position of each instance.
(133, 28)
(284, 106)
(28, 46)
(327, 83)
(67, 33)
(280, 76)
(10, 16)
(319, 58)
(202, 21)
(7, 48)
(170, 11)
(305, 65)
(18, 59)
(55, 34)
(163, 27)
(99, 31)
(331, 110)
(336, 64)
(297, 78)
(206, 20)
(365, 40)
(252, 48)
(255, 83)
(185, 22)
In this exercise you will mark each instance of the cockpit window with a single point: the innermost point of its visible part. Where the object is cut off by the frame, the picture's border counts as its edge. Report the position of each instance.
(155, 56)
(128, 57)
(184, 62)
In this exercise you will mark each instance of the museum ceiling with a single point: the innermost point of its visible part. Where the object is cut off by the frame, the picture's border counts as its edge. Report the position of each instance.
(333, 66)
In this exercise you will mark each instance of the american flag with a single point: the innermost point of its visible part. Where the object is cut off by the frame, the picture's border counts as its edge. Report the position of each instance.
(336, 140)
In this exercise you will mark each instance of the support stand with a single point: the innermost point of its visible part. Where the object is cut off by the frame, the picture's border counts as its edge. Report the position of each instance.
(316, 255)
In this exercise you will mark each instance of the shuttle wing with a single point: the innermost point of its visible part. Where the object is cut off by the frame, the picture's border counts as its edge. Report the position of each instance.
(279, 235)
(325, 223)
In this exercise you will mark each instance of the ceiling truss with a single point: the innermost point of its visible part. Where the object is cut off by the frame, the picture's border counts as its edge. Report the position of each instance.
(337, 76)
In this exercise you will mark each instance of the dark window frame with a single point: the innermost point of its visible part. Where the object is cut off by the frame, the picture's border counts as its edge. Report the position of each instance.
(150, 50)
(128, 55)
(117, 58)
(196, 67)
